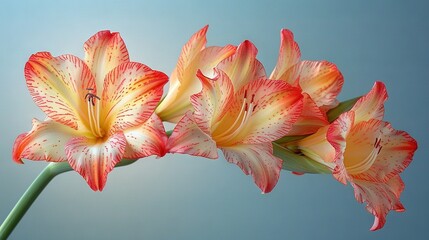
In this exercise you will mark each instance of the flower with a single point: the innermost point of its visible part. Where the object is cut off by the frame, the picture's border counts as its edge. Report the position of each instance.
(240, 112)
(362, 149)
(99, 110)
(183, 81)
(320, 82)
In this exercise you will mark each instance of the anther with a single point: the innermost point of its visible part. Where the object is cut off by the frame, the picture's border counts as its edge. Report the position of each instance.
(91, 97)
(377, 142)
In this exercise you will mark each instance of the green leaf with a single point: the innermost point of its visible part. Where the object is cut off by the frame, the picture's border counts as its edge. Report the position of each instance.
(342, 107)
(297, 163)
(287, 139)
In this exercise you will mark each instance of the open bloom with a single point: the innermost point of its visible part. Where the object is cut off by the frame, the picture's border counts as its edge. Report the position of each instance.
(362, 149)
(241, 113)
(320, 82)
(183, 81)
(99, 110)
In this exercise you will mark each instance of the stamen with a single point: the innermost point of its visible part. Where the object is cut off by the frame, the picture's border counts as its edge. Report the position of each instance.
(240, 121)
(243, 122)
(93, 113)
(242, 111)
(379, 150)
(254, 107)
(366, 163)
(91, 124)
(97, 119)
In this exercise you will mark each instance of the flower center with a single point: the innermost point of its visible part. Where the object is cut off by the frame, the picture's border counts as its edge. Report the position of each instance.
(356, 165)
(225, 136)
(93, 106)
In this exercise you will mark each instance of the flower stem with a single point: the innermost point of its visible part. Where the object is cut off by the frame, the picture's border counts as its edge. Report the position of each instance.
(27, 199)
(30, 195)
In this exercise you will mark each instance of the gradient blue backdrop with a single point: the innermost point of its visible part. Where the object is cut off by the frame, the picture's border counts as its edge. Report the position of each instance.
(183, 197)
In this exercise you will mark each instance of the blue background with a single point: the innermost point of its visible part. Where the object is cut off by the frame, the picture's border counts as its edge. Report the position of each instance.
(183, 197)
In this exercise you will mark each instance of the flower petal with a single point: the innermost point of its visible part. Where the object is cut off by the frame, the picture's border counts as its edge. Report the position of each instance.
(371, 106)
(146, 139)
(183, 80)
(380, 198)
(311, 119)
(289, 55)
(212, 102)
(188, 138)
(189, 52)
(362, 147)
(336, 136)
(103, 52)
(257, 160)
(316, 147)
(58, 86)
(396, 153)
(130, 95)
(276, 107)
(321, 80)
(45, 141)
(94, 159)
(243, 67)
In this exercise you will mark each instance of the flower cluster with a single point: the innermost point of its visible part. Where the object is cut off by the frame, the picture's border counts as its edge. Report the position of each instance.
(105, 108)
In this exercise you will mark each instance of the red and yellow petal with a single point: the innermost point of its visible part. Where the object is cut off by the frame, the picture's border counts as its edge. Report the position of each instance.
(380, 197)
(397, 150)
(321, 80)
(146, 139)
(58, 85)
(316, 147)
(188, 138)
(362, 147)
(275, 108)
(243, 67)
(311, 119)
(94, 159)
(337, 136)
(371, 106)
(103, 52)
(45, 141)
(289, 55)
(212, 102)
(189, 52)
(258, 161)
(131, 93)
(183, 81)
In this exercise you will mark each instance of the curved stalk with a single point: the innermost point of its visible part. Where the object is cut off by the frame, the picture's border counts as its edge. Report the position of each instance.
(33, 191)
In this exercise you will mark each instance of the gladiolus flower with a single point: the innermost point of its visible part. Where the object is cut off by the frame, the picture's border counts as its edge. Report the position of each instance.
(183, 81)
(99, 110)
(240, 112)
(362, 149)
(320, 82)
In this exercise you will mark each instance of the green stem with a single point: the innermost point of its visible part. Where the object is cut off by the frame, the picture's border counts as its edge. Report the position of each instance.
(27, 199)
(342, 107)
